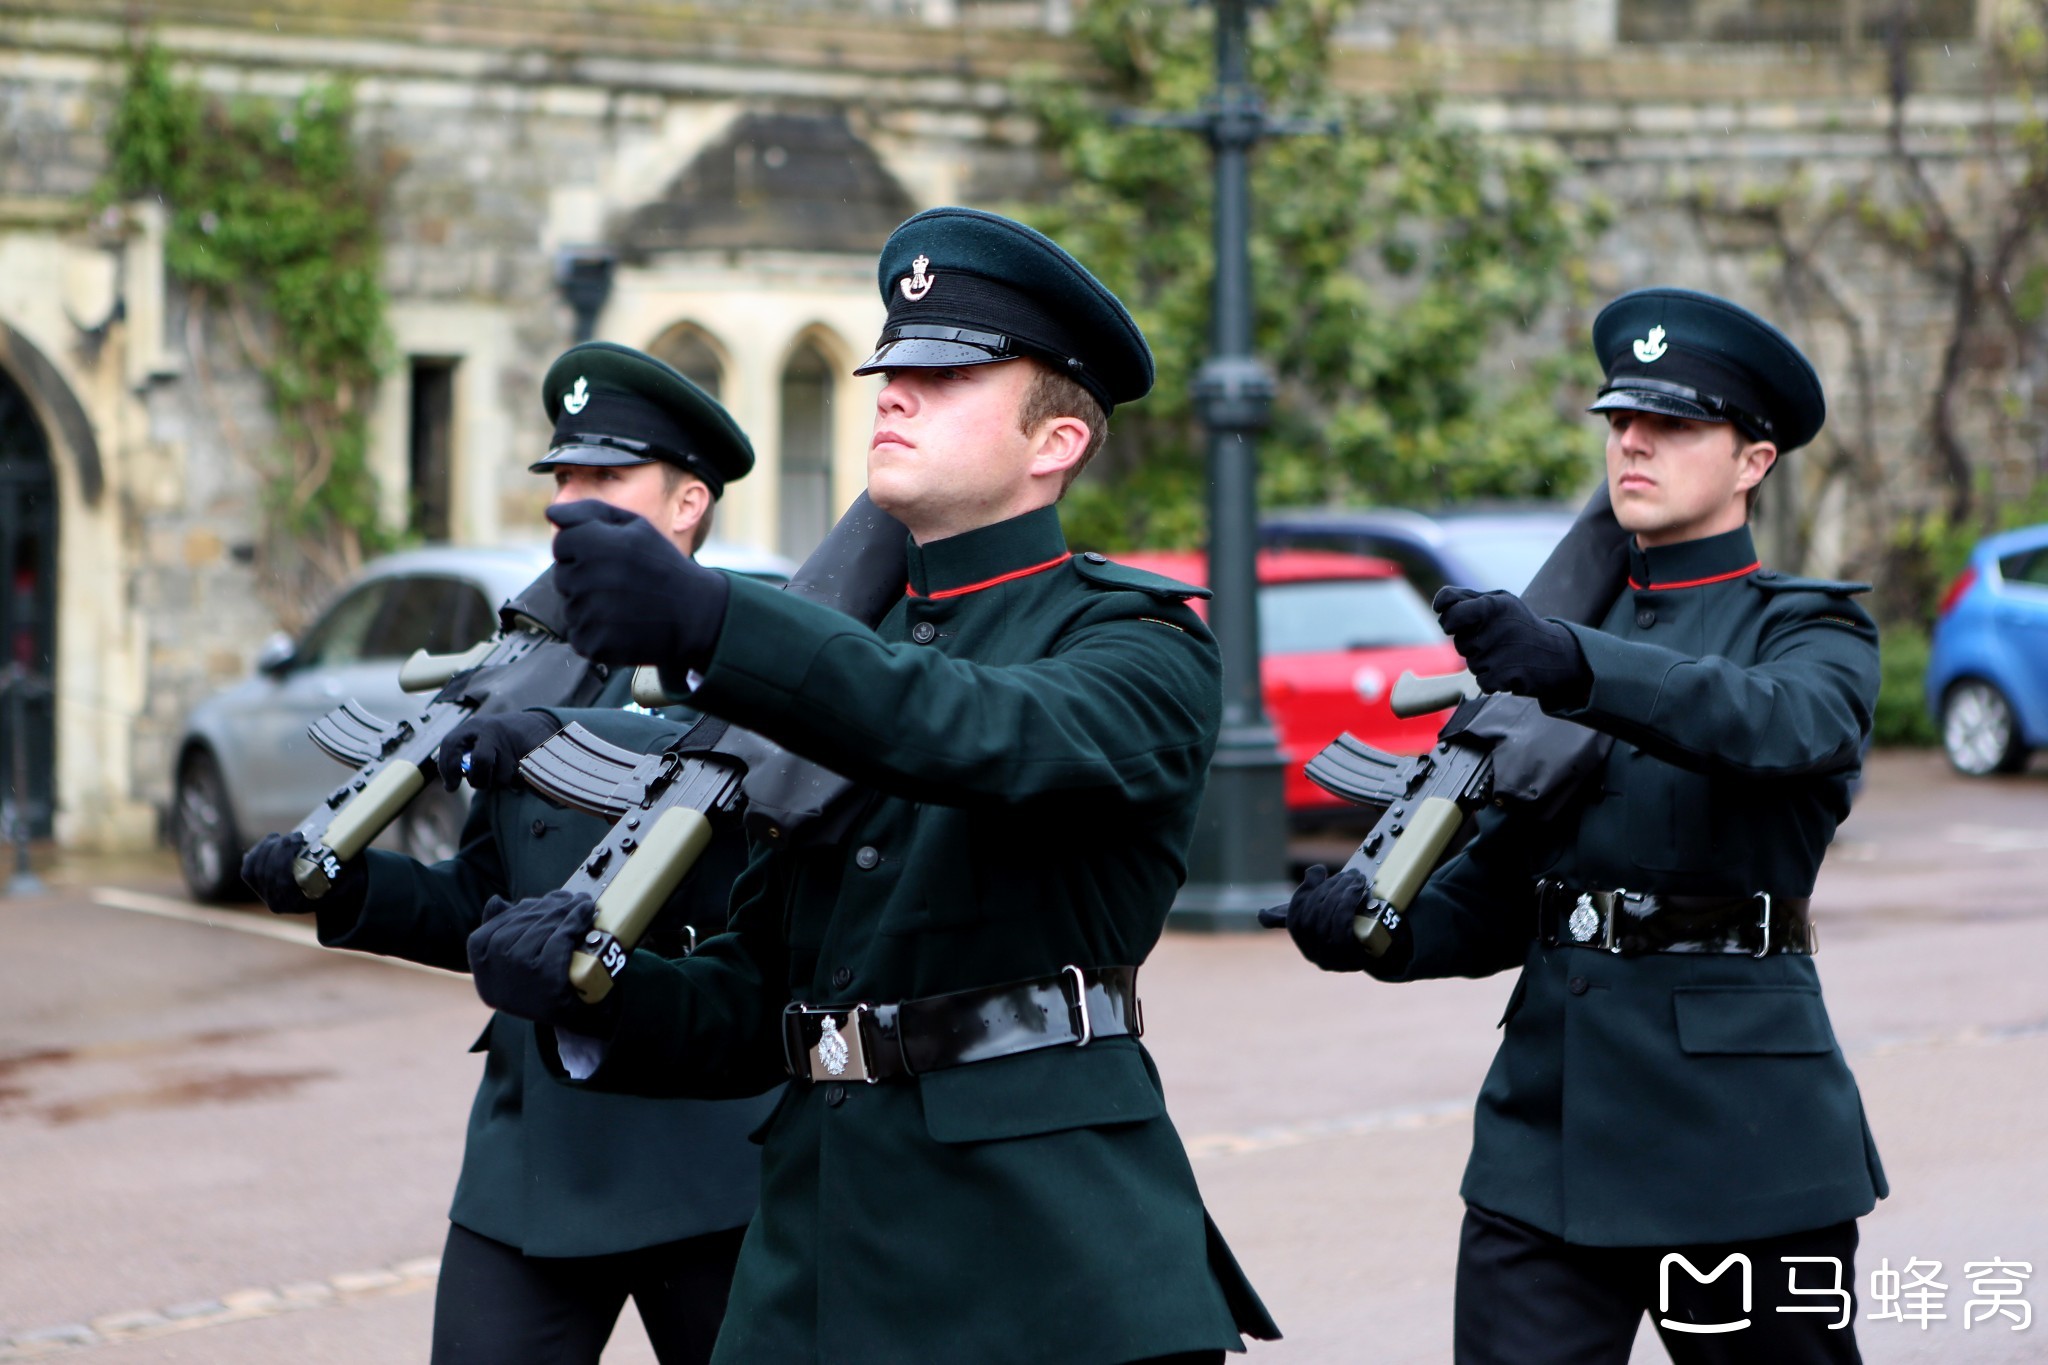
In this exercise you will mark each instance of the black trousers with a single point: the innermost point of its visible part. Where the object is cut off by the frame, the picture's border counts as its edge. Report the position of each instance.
(495, 1305)
(1528, 1298)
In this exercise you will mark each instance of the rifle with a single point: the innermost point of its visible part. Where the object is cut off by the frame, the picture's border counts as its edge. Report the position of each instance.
(1493, 749)
(527, 663)
(664, 804)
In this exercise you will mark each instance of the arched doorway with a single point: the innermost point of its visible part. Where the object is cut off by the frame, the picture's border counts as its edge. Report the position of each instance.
(28, 597)
(805, 491)
(692, 352)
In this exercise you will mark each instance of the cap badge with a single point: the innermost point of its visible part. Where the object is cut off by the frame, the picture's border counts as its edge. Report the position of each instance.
(917, 284)
(1651, 347)
(578, 398)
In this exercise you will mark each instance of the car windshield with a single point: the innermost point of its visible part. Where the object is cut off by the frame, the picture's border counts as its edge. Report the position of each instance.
(1338, 614)
(1504, 556)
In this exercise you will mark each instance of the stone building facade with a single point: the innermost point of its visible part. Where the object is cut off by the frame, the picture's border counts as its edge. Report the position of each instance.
(738, 164)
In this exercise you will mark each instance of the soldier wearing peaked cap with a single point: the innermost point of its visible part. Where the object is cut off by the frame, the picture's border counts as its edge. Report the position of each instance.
(1669, 1125)
(570, 1202)
(973, 1160)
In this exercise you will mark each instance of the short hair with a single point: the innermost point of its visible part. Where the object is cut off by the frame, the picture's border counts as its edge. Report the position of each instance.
(672, 477)
(1053, 394)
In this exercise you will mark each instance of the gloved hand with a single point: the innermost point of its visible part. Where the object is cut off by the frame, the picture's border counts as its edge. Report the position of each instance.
(630, 596)
(267, 868)
(1320, 916)
(486, 749)
(519, 957)
(1511, 649)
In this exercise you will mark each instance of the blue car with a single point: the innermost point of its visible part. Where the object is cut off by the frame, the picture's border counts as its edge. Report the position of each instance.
(1987, 677)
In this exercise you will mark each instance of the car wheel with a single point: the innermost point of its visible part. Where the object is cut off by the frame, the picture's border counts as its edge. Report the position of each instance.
(1979, 730)
(203, 831)
(430, 829)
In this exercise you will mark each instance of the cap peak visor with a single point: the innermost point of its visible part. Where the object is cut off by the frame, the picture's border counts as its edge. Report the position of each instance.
(937, 348)
(1649, 400)
(587, 453)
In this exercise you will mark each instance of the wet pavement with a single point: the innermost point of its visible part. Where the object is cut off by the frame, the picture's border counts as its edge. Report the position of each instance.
(221, 1143)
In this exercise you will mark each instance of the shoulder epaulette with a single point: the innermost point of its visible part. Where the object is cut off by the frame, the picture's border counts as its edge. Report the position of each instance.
(1103, 571)
(1770, 580)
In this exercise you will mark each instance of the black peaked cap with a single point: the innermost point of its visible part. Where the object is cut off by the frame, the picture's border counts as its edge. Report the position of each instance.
(965, 287)
(1688, 354)
(613, 405)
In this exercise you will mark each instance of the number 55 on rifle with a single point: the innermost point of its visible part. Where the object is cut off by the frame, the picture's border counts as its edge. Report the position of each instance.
(527, 663)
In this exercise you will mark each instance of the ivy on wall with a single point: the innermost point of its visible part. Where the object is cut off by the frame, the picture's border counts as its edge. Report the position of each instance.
(1400, 269)
(273, 229)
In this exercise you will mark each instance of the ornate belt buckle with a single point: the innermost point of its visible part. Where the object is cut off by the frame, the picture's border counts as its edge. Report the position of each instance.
(1584, 921)
(837, 1055)
(1763, 946)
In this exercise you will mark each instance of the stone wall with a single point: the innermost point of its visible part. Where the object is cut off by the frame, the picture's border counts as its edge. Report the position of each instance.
(507, 135)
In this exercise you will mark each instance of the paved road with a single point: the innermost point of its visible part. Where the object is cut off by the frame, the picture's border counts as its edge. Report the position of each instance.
(229, 1146)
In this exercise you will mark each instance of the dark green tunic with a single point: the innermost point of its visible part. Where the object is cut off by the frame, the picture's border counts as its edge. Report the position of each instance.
(1676, 1098)
(1036, 726)
(552, 1170)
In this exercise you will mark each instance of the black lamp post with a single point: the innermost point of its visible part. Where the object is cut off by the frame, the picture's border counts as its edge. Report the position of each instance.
(583, 274)
(1239, 859)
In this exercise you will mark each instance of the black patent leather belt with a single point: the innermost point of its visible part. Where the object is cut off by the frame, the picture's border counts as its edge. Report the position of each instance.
(867, 1042)
(1635, 922)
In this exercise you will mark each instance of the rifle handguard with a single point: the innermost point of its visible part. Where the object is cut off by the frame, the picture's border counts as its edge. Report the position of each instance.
(1417, 696)
(642, 887)
(425, 672)
(357, 823)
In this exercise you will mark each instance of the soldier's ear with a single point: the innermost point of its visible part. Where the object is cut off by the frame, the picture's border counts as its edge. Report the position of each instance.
(1755, 459)
(690, 505)
(1058, 444)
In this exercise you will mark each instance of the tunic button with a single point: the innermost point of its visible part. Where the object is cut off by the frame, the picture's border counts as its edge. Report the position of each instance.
(924, 632)
(866, 858)
(835, 1095)
(540, 827)
(843, 977)
(1577, 985)
(1094, 558)
(1646, 618)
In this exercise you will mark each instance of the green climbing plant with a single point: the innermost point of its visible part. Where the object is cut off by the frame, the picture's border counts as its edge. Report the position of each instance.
(272, 226)
(1401, 269)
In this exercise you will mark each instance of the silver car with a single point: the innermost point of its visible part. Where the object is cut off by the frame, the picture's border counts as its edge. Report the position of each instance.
(245, 766)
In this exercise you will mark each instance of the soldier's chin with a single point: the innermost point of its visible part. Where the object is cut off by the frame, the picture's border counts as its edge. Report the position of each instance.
(890, 487)
(1635, 511)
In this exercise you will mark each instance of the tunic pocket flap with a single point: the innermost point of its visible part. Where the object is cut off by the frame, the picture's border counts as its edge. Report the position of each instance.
(1040, 1092)
(1752, 1020)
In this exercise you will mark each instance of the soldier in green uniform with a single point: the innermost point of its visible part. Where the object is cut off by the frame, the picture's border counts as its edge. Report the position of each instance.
(1668, 1092)
(570, 1200)
(973, 1161)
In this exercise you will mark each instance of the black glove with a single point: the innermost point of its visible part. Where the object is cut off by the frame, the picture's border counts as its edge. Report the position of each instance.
(630, 596)
(267, 868)
(1511, 649)
(1320, 916)
(486, 749)
(519, 957)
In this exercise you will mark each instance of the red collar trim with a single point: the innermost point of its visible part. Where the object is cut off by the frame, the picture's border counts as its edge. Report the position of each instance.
(1696, 582)
(911, 591)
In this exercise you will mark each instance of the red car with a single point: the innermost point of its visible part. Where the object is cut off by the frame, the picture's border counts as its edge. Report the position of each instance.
(1335, 631)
